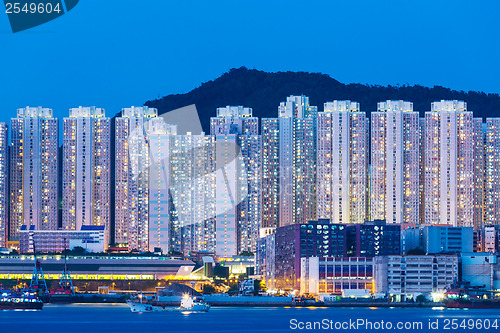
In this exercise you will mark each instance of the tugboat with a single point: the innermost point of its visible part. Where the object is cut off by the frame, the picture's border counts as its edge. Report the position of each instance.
(10, 300)
(189, 304)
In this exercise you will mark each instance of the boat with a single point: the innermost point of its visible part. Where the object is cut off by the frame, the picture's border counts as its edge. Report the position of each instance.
(471, 303)
(10, 300)
(189, 304)
(466, 299)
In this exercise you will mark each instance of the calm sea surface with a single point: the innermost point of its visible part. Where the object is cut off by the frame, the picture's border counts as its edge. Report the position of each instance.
(109, 318)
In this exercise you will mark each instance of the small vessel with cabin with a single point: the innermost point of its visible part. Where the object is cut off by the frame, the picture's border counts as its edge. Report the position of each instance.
(189, 304)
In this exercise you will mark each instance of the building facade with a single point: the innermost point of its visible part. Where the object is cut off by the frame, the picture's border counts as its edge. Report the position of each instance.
(132, 178)
(34, 170)
(297, 160)
(492, 172)
(480, 270)
(373, 238)
(296, 241)
(490, 239)
(438, 239)
(159, 139)
(451, 240)
(449, 164)
(342, 163)
(479, 173)
(403, 277)
(192, 190)
(336, 275)
(91, 238)
(86, 179)
(395, 163)
(238, 150)
(270, 132)
(4, 185)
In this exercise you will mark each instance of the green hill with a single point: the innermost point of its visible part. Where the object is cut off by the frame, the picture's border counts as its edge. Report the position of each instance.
(264, 91)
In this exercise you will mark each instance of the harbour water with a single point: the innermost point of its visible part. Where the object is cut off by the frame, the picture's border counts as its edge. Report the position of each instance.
(110, 318)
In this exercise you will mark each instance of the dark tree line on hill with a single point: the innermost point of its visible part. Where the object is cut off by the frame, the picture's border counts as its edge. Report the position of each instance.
(264, 91)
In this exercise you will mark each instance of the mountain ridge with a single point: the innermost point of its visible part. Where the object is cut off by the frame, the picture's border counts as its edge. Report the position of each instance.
(263, 91)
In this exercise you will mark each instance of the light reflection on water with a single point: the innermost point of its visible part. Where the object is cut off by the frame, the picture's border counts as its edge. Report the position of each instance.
(110, 318)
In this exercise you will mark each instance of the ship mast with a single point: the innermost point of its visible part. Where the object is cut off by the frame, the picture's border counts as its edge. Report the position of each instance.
(38, 279)
(66, 283)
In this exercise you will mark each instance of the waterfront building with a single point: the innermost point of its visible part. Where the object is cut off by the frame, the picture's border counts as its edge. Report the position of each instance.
(86, 179)
(402, 277)
(342, 163)
(34, 170)
(336, 275)
(373, 238)
(89, 237)
(325, 239)
(449, 164)
(492, 172)
(395, 161)
(480, 270)
(315, 238)
(4, 186)
(237, 265)
(132, 178)
(238, 189)
(265, 259)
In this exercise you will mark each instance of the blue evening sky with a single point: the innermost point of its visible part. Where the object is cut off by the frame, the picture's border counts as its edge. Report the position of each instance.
(117, 53)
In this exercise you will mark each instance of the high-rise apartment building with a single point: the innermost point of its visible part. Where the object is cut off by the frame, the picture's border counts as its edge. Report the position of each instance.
(492, 172)
(238, 187)
(270, 172)
(395, 163)
(192, 190)
(34, 170)
(478, 141)
(4, 186)
(159, 139)
(289, 162)
(421, 172)
(86, 180)
(449, 164)
(342, 163)
(132, 177)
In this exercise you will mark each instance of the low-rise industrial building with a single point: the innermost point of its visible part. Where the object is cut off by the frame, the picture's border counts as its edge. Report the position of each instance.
(480, 270)
(403, 277)
(336, 275)
(89, 237)
(438, 239)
